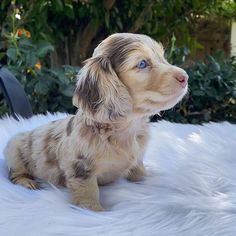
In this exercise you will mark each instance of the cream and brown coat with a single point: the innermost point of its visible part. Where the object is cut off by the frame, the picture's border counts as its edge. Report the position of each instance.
(107, 137)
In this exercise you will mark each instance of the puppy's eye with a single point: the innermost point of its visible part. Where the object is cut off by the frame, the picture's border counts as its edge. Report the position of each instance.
(142, 64)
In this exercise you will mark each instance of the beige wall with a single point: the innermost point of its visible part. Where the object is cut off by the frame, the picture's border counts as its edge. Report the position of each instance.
(233, 39)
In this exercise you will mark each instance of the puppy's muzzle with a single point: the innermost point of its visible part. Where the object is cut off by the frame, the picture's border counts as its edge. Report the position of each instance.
(182, 78)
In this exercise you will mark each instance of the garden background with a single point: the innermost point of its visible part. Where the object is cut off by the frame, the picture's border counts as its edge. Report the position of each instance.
(44, 43)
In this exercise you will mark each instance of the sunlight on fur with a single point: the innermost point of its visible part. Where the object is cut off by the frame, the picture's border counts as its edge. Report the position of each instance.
(126, 80)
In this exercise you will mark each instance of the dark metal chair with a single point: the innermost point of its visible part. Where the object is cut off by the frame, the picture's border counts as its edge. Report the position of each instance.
(14, 94)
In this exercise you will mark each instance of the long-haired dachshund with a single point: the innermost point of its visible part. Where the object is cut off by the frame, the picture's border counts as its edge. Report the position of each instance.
(125, 81)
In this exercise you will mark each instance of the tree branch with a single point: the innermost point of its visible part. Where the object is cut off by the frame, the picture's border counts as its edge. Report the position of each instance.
(139, 22)
(90, 32)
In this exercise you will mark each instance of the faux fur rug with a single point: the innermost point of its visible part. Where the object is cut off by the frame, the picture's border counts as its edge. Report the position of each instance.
(190, 189)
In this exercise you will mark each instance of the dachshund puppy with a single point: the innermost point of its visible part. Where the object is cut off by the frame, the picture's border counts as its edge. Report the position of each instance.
(125, 81)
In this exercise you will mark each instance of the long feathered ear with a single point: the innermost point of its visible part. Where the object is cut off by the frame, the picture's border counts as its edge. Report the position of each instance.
(100, 93)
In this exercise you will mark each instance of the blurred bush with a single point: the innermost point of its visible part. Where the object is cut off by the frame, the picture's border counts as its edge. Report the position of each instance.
(75, 27)
(212, 89)
(212, 93)
(212, 83)
(47, 89)
(29, 28)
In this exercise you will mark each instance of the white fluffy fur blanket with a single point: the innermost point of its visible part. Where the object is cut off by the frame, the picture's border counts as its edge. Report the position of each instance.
(190, 189)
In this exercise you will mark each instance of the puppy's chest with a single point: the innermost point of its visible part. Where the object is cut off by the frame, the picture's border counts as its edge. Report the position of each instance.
(119, 155)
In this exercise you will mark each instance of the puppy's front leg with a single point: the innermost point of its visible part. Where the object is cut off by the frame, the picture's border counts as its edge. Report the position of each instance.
(85, 192)
(136, 173)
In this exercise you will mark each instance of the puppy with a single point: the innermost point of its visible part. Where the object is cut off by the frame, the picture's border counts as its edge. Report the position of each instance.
(125, 81)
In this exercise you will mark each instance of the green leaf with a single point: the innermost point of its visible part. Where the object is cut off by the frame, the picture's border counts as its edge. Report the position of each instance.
(44, 48)
(2, 54)
(26, 43)
(63, 79)
(198, 93)
(66, 103)
(12, 54)
(214, 64)
(107, 19)
(57, 5)
(1, 45)
(31, 59)
(69, 11)
(119, 23)
(211, 92)
(41, 87)
(68, 91)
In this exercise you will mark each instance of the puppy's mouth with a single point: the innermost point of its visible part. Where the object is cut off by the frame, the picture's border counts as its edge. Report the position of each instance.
(178, 95)
(182, 91)
(179, 91)
(173, 99)
(152, 106)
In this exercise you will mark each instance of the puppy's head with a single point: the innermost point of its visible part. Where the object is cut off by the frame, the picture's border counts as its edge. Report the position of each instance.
(128, 74)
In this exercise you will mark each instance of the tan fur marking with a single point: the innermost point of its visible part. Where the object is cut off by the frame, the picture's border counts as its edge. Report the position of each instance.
(51, 160)
(46, 142)
(88, 132)
(50, 141)
(89, 94)
(83, 168)
(102, 128)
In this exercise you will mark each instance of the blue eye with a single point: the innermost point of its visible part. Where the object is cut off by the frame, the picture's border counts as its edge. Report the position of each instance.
(142, 64)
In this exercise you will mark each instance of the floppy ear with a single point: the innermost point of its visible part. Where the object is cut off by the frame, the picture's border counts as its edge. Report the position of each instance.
(100, 93)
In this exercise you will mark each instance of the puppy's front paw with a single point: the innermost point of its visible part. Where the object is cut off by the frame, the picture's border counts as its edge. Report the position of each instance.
(87, 196)
(24, 180)
(29, 183)
(136, 173)
(95, 206)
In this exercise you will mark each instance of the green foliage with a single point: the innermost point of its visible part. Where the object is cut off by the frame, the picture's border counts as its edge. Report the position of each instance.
(48, 89)
(75, 27)
(212, 84)
(212, 91)
(51, 89)
(80, 25)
